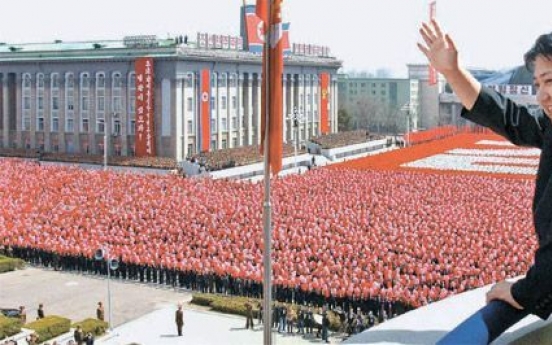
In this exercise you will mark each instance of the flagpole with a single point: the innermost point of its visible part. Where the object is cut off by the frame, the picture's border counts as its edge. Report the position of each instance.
(267, 210)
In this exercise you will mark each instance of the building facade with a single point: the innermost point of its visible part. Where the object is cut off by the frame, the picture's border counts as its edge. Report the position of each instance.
(63, 97)
(379, 104)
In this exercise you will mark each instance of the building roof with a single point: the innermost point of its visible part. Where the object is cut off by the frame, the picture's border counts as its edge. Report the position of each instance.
(131, 47)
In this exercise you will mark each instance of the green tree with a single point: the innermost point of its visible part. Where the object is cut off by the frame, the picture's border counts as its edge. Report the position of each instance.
(343, 120)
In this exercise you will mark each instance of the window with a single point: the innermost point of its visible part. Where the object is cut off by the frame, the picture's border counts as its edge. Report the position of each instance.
(189, 104)
(131, 103)
(224, 124)
(223, 101)
(223, 82)
(27, 103)
(213, 144)
(224, 144)
(190, 127)
(117, 127)
(213, 104)
(234, 102)
(84, 126)
(190, 149)
(55, 124)
(189, 81)
(26, 81)
(233, 78)
(27, 123)
(116, 93)
(40, 81)
(40, 124)
(100, 94)
(84, 102)
(69, 125)
(213, 126)
(55, 102)
(235, 142)
(132, 128)
(100, 125)
(234, 123)
(100, 80)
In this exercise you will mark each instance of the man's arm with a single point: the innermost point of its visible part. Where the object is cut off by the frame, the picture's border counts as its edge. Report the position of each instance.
(442, 54)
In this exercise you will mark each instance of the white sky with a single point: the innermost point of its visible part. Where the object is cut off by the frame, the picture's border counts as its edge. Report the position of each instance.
(364, 34)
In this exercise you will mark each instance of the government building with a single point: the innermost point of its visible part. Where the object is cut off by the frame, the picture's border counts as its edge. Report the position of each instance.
(148, 96)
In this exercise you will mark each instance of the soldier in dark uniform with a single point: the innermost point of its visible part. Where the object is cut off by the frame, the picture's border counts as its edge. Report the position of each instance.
(40, 311)
(248, 315)
(179, 319)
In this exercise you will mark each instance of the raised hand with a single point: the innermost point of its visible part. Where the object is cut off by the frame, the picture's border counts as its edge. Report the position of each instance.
(439, 48)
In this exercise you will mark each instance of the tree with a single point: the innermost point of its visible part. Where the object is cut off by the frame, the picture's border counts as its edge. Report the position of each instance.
(343, 120)
(369, 113)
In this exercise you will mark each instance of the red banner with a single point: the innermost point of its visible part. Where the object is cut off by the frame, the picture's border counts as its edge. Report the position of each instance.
(276, 69)
(205, 110)
(254, 26)
(145, 131)
(432, 72)
(324, 102)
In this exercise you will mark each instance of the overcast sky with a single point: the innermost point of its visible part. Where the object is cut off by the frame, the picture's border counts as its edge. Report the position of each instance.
(364, 34)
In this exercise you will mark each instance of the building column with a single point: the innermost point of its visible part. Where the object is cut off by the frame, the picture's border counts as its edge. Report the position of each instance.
(284, 106)
(292, 105)
(5, 111)
(301, 105)
(250, 109)
(239, 109)
(124, 116)
(306, 105)
(258, 107)
(179, 120)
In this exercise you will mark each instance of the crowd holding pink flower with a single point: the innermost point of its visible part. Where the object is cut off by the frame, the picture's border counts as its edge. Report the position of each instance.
(340, 233)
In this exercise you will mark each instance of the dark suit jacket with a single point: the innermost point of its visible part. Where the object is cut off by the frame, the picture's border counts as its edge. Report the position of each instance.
(179, 317)
(515, 123)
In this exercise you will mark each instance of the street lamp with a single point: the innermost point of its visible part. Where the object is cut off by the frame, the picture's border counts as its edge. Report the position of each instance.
(111, 264)
(298, 119)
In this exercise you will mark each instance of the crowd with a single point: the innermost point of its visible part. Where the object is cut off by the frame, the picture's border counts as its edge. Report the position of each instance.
(233, 157)
(340, 139)
(131, 161)
(347, 238)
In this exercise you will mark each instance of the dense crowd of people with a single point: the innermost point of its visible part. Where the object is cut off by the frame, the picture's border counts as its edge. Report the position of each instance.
(129, 161)
(233, 157)
(340, 236)
(340, 139)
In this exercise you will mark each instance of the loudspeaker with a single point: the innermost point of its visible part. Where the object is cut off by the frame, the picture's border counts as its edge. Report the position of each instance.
(99, 255)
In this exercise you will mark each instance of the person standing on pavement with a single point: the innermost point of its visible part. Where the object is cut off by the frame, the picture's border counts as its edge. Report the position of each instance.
(40, 312)
(78, 335)
(248, 315)
(179, 319)
(100, 313)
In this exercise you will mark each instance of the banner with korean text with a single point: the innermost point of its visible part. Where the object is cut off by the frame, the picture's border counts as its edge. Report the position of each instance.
(145, 116)
(324, 102)
(205, 108)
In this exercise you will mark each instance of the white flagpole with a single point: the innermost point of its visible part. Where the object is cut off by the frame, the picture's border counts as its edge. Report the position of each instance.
(267, 207)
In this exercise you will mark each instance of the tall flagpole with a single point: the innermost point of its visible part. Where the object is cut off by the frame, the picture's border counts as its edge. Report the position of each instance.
(267, 210)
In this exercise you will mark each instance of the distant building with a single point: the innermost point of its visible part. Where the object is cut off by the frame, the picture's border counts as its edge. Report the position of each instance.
(168, 97)
(380, 104)
(516, 83)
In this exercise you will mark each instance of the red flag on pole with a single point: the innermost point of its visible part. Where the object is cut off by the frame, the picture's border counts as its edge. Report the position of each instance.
(276, 68)
(432, 72)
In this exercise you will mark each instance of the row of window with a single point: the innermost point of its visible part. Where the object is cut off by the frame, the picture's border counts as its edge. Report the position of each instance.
(84, 101)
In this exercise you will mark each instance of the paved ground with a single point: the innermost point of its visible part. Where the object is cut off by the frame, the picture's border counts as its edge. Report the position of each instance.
(76, 296)
(141, 313)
